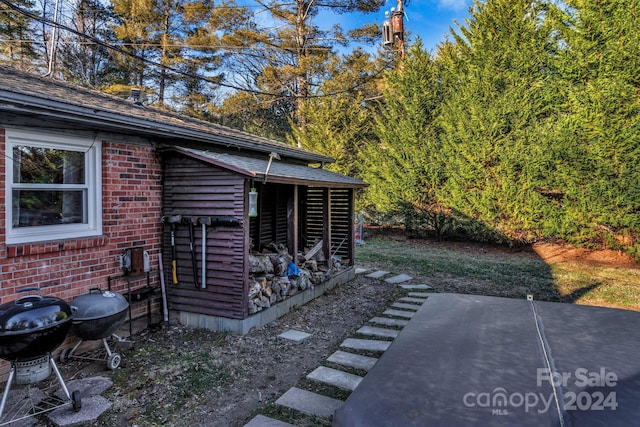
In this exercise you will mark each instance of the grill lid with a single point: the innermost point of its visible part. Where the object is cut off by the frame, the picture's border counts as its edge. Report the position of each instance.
(32, 313)
(97, 304)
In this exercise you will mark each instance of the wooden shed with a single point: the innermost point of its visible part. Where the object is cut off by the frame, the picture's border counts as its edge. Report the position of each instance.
(297, 208)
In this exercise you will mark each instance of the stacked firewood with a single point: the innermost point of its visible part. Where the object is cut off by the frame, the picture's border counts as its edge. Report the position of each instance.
(274, 277)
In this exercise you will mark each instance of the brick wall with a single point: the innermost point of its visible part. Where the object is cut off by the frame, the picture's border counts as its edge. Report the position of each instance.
(131, 202)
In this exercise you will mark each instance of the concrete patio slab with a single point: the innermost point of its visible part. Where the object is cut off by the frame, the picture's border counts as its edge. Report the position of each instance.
(352, 360)
(413, 300)
(405, 306)
(399, 313)
(378, 332)
(418, 287)
(295, 336)
(309, 402)
(370, 345)
(335, 378)
(387, 321)
(424, 295)
(263, 421)
(400, 278)
(377, 274)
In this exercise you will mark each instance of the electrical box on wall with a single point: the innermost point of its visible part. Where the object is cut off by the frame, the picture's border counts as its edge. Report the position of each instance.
(135, 261)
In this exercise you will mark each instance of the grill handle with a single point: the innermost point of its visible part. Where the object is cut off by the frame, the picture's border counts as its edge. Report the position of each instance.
(27, 300)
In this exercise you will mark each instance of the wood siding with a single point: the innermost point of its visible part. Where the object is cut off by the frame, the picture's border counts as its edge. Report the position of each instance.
(194, 189)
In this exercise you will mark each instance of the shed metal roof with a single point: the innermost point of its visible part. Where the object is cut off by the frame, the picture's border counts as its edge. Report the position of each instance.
(22, 93)
(279, 172)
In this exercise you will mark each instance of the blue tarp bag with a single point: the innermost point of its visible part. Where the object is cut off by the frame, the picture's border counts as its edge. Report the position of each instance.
(293, 270)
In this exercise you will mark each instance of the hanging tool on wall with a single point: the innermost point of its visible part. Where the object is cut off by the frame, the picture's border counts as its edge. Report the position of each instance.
(172, 220)
(212, 221)
(192, 247)
(204, 222)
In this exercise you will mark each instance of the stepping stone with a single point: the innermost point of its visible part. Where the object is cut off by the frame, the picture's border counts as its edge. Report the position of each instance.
(92, 408)
(360, 344)
(309, 402)
(412, 300)
(399, 313)
(335, 378)
(400, 278)
(352, 360)
(361, 270)
(378, 332)
(377, 274)
(389, 322)
(424, 295)
(405, 306)
(295, 336)
(262, 421)
(91, 386)
(421, 287)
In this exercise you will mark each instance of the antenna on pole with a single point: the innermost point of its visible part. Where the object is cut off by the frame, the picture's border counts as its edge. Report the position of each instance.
(54, 41)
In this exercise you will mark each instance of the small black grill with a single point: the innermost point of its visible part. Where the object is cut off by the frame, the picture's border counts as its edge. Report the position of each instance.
(96, 316)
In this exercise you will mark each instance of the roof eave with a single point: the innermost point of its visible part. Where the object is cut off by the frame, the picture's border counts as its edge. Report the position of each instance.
(20, 103)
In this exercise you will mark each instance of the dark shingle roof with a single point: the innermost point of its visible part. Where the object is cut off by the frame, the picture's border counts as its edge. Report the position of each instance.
(23, 93)
(279, 172)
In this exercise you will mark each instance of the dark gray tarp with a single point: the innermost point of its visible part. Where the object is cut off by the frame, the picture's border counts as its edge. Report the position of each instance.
(467, 360)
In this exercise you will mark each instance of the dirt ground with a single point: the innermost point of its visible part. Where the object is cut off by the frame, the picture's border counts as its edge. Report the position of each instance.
(177, 376)
(159, 380)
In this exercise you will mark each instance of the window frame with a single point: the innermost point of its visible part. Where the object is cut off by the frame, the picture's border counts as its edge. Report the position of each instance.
(93, 185)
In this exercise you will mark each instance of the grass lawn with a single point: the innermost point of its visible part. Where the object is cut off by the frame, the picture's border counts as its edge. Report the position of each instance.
(548, 272)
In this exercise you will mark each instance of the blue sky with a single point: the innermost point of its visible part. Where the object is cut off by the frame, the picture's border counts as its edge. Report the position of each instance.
(429, 19)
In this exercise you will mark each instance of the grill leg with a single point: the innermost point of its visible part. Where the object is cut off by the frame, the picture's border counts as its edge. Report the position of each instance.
(6, 390)
(106, 346)
(60, 380)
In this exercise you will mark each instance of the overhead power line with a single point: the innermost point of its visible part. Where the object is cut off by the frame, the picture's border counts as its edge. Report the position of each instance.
(117, 49)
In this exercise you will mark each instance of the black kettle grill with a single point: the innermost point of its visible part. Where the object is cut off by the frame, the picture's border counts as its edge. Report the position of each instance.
(31, 327)
(96, 316)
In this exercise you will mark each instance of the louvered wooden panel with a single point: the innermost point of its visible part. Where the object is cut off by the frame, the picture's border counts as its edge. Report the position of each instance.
(266, 215)
(272, 222)
(195, 189)
(314, 215)
(281, 222)
(341, 226)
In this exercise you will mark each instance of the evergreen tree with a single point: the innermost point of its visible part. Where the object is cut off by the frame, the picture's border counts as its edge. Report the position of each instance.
(496, 106)
(17, 35)
(338, 119)
(286, 62)
(82, 62)
(598, 160)
(402, 164)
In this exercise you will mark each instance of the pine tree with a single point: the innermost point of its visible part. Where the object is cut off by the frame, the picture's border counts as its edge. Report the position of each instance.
(17, 35)
(338, 119)
(286, 62)
(83, 62)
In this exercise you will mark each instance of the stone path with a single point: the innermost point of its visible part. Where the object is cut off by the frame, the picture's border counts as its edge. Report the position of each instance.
(346, 367)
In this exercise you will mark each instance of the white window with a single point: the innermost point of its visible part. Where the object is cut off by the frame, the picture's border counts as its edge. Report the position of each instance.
(53, 187)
